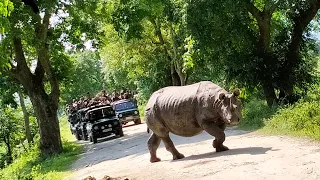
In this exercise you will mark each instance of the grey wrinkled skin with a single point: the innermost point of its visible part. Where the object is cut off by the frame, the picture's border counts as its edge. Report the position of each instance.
(187, 111)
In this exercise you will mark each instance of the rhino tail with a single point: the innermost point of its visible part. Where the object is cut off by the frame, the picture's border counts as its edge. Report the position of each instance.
(148, 130)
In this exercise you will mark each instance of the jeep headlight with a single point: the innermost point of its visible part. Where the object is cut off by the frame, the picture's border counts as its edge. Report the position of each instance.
(109, 125)
(96, 128)
(120, 115)
(102, 127)
(135, 112)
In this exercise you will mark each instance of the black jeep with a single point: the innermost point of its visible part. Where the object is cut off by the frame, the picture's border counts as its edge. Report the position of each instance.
(127, 110)
(74, 121)
(102, 122)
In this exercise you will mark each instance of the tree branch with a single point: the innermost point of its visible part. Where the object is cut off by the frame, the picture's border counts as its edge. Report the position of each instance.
(41, 32)
(39, 71)
(256, 13)
(21, 72)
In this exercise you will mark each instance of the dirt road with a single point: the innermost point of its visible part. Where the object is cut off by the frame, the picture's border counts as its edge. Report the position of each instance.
(251, 156)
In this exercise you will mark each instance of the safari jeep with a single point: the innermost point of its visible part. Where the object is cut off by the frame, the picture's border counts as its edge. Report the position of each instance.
(102, 122)
(127, 110)
(74, 121)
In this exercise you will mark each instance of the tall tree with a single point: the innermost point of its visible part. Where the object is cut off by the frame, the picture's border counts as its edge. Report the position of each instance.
(166, 17)
(25, 117)
(85, 76)
(33, 41)
(251, 41)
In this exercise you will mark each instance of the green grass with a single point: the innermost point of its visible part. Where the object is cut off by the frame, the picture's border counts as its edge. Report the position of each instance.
(141, 111)
(301, 119)
(31, 166)
(254, 115)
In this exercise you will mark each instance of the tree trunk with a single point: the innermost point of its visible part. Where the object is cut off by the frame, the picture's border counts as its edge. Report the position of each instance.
(46, 112)
(177, 59)
(269, 94)
(301, 21)
(45, 105)
(263, 49)
(26, 117)
(6, 140)
(174, 75)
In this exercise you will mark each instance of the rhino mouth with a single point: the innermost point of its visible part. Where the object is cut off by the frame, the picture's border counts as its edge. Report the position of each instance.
(228, 121)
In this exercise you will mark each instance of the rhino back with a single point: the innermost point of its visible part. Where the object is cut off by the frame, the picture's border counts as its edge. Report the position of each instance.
(182, 108)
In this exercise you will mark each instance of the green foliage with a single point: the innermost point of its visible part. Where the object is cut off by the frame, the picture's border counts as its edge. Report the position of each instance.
(228, 38)
(31, 166)
(137, 65)
(301, 119)
(255, 113)
(85, 75)
(6, 6)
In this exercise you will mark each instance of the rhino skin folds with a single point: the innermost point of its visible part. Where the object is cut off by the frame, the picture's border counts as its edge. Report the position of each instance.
(187, 111)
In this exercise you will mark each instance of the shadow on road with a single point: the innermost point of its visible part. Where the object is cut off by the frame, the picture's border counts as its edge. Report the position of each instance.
(236, 151)
(134, 142)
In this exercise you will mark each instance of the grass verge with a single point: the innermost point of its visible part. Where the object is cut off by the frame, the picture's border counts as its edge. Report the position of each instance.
(31, 166)
(301, 119)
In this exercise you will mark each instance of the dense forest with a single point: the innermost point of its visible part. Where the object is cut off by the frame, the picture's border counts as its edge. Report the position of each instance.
(55, 51)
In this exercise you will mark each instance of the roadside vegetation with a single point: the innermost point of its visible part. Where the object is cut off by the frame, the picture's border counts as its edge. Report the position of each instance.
(300, 119)
(30, 164)
(55, 51)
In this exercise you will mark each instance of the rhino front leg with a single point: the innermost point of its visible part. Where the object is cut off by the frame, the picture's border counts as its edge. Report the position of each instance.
(153, 144)
(219, 135)
(171, 148)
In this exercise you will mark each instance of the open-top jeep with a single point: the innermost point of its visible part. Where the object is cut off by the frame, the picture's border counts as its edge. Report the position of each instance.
(74, 121)
(102, 122)
(127, 110)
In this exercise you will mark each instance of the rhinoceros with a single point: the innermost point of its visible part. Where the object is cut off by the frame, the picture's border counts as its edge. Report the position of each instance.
(187, 111)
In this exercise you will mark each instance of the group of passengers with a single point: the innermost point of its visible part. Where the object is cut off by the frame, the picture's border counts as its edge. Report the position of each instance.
(102, 98)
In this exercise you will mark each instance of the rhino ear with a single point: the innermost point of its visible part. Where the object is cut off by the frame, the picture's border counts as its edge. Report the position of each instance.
(222, 96)
(236, 92)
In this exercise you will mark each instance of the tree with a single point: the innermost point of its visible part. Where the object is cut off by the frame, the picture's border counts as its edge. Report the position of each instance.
(33, 42)
(8, 89)
(166, 18)
(25, 117)
(85, 76)
(251, 41)
(10, 131)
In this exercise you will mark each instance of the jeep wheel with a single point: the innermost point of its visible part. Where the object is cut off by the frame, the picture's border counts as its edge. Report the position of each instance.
(120, 133)
(84, 136)
(138, 121)
(78, 136)
(93, 139)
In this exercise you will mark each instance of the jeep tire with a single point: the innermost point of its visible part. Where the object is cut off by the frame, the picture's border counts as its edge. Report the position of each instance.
(120, 133)
(93, 139)
(84, 136)
(78, 137)
(137, 121)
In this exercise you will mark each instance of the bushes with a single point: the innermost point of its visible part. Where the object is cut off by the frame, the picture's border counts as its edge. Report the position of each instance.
(303, 118)
(31, 166)
(299, 119)
(254, 114)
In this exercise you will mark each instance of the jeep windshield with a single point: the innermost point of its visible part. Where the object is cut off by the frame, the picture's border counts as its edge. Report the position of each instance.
(125, 105)
(99, 113)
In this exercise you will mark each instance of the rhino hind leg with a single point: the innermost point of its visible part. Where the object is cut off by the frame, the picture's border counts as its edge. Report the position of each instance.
(219, 135)
(153, 144)
(171, 148)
